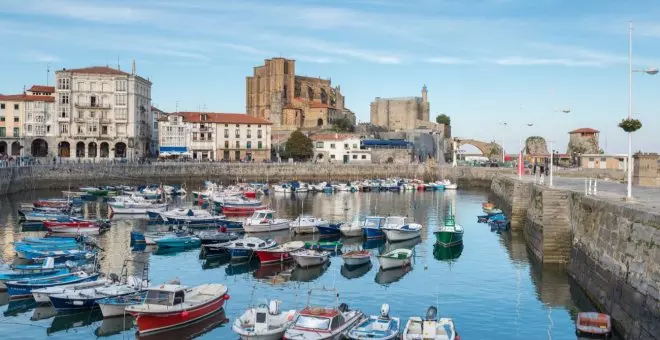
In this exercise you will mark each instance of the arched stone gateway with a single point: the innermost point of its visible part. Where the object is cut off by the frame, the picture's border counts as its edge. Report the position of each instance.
(3, 147)
(91, 150)
(319, 122)
(16, 149)
(39, 148)
(105, 150)
(491, 150)
(80, 150)
(120, 150)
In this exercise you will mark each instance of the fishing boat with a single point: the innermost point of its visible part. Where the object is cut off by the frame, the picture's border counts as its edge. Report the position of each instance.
(396, 229)
(116, 305)
(53, 203)
(263, 221)
(95, 191)
(36, 253)
(430, 327)
(220, 235)
(134, 205)
(593, 324)
(42, 295)
(395, 259)
(449, 233)
(86, 298)
(309, 258)
(75, 226)
(377, 327)
(329, 230)
(39, 216)
(178, 241)
(372, 227)
(321, 323)
(263, 322)
(168, 305)
(25, 287)
(353, 228)
(356, 257)
(306, 224)
(279, 253)
(231, 210)
(242, 249)
(149, 238)
(283, 188)
(190, 216)
(333, 246)
(45, 272)
(234, 200)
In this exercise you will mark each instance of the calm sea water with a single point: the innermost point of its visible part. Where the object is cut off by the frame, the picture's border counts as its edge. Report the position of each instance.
(490, 287)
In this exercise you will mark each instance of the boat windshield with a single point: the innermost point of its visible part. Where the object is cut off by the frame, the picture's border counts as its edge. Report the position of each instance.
(312, 322)
(373, 222)
(395, 220)
(158, 297)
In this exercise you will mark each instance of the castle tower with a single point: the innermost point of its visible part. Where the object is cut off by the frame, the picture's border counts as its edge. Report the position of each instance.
(425, 92)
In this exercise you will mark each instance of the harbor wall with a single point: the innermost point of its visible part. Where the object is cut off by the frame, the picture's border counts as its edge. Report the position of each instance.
(611, 250)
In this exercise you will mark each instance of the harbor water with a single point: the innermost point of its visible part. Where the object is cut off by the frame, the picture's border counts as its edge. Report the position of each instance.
(489, 286)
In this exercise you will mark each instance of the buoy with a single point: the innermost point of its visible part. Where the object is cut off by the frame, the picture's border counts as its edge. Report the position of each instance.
(226, 297)
(184, 314)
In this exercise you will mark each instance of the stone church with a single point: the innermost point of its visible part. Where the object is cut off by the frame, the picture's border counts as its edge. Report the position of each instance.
(276, 93)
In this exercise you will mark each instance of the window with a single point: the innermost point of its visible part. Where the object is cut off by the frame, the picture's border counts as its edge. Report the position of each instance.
(248, 145)
(63, 84)
(603, 159)
(2, 106)
(3, 132)
(226, 133)
(16, 119)
(354, 156)
(47, 128)
(16, 106)
(81, 129)
(121, 114)
(332, 145)
(226, 144)
(238, 133)
(345, 146)
(64, 112)
(2, 118)
(64, 129)
(259, 133)
(237, 155)
(92, 114)
(249, 133)
(120, 99)
(238, 144)
(29, 128)
(364, 156)
(209, 136)
(319, 145)
(259, 145)
(121, 85)
(194, 135)
(155, 125)
(17, 132)
(355, 146)
(332, 156)
(591, 159)
(237, 125)
(64, 98)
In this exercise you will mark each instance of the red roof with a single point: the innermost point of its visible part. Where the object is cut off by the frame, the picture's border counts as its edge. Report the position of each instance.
(97, 70)
(42, 88)
(319, 311)
(333, 136)
(222, 118)
(27, 98)
(584, 130)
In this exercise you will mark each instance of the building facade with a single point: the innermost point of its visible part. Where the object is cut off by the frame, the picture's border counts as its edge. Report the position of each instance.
(274, 92)
(400, 114)
(604, 161)
(339, 148)
(174, 135)
(102, 113)
(582, 141)
(156, 116)
(646, 169)
(11, 108)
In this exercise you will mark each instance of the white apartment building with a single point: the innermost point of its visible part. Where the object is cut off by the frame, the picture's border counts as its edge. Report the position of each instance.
(156, 116)
(339, 148)
(102, 113)
(174, 135)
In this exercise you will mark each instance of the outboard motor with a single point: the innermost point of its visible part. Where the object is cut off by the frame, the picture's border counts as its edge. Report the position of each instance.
(385, 311)
(431, 313)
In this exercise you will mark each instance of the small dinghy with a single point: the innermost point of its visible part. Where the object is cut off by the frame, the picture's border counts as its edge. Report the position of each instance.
(278, 253)
(25, 287)
(178, 241)
(333, 246)
(263, 322)
(242, 249)
(264, 221)
(116, 305)
(220, 235)
(43, 295)
(309, 258)
(377, 327)
(395, 259)
(430, 328)
(594, 324)
(356, 257)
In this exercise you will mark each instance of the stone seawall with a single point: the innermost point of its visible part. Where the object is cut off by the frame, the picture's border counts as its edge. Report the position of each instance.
(612, 250)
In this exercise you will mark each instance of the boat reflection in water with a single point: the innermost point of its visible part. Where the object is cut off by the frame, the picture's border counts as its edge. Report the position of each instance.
(441, 253)
(271, 273)
(354, 272)
(4, 297)
(386, 277)
(116, 325)
(378, 243)
(191, 330)
(16, 307)
(238, 268)
(407, 244)
(63, 322)
(215, 262)
(172, 251)
(308, 274)
(43, 311)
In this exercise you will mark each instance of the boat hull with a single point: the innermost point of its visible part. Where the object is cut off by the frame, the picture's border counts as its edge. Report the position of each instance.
(356, 261)
(373, 233)
(182, 242)
(266, 257)
(75, 230)
(251, 228)
(390, 263)
(401, 235)
(16, 290)
(351, 231)
(448, 238)
(310, 261)
(152, 323)
(328, 230)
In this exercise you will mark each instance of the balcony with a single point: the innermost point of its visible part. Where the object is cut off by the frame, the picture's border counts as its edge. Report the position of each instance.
(92, 106)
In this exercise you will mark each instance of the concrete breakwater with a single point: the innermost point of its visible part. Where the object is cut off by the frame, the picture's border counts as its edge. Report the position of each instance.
(612, 250)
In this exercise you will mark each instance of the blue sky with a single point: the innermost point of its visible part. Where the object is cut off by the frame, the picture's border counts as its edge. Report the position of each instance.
(484, 61)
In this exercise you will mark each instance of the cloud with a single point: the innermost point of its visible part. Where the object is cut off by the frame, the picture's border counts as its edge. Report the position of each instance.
(526, 61)
(449, 61)
(42, 57)
(316, 59)
(82, 10)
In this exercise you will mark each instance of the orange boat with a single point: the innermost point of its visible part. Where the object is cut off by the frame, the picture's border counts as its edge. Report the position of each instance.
(593, 323)
(488, 206)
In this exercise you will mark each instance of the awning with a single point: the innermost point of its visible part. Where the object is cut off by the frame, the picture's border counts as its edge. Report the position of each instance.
(173, 149)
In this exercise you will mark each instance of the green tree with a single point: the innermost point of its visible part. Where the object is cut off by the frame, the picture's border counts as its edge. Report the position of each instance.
(443, 119)
(299, 146)
(343, 125)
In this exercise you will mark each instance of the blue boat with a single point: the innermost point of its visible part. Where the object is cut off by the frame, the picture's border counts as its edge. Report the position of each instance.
(235, 226)
(39, 267)
(44, 272)
(178, 241)
(59, 255)
(50, 240)
(371, 227)
(115, 306)
(36, 216)
(329, 230)
(500, 225)
(377, 327)
(493, 218)
(25, 287)
(41, 246)
(241, 249)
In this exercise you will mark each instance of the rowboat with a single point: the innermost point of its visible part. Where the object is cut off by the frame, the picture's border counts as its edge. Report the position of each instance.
(594, 324)
(242, 249)
(178, 241)
(333, 246)
(396, 229)
(430, 327)
(82, 299)
(25, 287)
(116, 305)
(38, 216)
(263, 322)
(263, 221)
(242, 210)
(167, 306)
(356, 257)
(377, 327)
(279, 253)
(190, 216)
(306, 224)
(309, 258)
(42, 295)
(220, 235)
(395, 259)
(33, 253)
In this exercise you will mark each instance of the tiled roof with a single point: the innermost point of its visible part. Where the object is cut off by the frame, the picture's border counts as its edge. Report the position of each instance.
(333, 136)
(42, 88)
(27, 98)
(222, 118)
(97, 70)
(585, 130)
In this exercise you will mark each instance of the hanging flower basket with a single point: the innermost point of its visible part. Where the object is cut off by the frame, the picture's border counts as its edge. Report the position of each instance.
(630, 125)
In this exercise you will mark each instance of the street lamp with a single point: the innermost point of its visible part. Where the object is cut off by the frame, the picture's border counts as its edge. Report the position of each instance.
(503, 132)
(649, 71)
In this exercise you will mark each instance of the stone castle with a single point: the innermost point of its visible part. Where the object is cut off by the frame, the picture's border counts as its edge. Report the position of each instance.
(276, 93)
(401, 114)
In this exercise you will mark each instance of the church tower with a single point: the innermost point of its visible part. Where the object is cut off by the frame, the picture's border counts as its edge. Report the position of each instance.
(425, 92)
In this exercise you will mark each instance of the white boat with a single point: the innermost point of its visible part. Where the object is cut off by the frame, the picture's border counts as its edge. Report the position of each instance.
(342, 187)
(430, 328)
(396, 229)
(134, 205)
(310, 258)
(395, 259)
(306, 224)
(302, 187)
(190, 216)
(42, 295)
(356, 258)
(353, 228)
(449, 185)
(377, 327)
(318, 187)
(263, 221)
(116, 305)
(263, 322)
(283, 188)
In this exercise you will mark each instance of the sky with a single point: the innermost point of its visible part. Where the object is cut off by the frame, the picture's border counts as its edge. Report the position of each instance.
(485, 62)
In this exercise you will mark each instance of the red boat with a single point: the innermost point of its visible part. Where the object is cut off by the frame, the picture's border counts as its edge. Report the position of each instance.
(250, 194)
(75, 224)
(241, 210)
(167, 306)
(59, 203)
(592, 323)
(279, 253)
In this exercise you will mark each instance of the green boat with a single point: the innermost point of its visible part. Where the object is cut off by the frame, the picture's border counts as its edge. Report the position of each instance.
(326, 245)
(449, 234)
(95, 191)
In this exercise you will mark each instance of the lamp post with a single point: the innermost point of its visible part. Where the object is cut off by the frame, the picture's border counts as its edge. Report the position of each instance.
(503, 155)
(649, 71)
